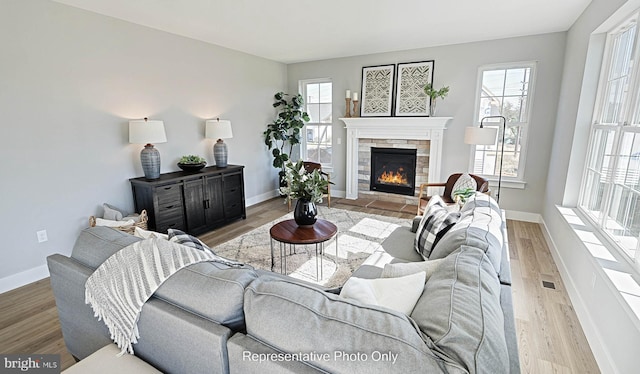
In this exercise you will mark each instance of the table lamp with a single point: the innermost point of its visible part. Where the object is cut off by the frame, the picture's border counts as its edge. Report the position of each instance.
(146, 131)
(219, 129)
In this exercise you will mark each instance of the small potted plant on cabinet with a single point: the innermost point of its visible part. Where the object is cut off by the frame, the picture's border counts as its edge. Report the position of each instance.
(191, 163)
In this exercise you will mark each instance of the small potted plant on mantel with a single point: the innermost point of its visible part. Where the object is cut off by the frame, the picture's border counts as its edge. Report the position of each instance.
(433, 95)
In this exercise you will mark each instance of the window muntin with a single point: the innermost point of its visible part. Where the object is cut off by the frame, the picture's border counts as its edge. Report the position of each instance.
(504, 90)
(318, 138)
(610, 193)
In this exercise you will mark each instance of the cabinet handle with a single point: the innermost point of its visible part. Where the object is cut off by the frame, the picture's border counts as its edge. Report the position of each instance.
(207, 204)
(169, 207)
(168, 188)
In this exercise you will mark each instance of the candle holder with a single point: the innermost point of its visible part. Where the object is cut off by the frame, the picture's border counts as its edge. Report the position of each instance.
(355, 108)
(348, 114)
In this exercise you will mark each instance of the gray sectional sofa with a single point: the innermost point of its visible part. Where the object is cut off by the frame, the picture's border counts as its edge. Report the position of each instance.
(210, 318)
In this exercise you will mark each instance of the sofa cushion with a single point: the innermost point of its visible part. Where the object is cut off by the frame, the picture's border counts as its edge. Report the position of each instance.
(291, 317)
(209, 289)
(384, 291)
(437, 220)
(401, 269)
(480, 226)
(399, 244)
(460, 311)
(96, 244)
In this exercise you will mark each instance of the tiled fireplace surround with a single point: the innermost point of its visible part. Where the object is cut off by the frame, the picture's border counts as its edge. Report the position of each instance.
(364, 167)
(422, 133)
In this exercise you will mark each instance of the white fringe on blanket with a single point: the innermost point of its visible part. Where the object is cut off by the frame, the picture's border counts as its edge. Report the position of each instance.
(118, 289)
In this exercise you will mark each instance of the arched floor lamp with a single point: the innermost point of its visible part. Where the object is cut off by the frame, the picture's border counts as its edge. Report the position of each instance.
(487, 136)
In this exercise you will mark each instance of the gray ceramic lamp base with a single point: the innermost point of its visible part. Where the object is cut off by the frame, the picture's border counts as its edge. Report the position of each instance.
(220, 154)
(150, 159)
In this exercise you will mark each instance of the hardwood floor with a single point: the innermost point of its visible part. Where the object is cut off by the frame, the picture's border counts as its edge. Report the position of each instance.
(550, 338)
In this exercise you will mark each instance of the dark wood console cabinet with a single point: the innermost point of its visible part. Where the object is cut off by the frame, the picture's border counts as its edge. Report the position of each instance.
(192, 202)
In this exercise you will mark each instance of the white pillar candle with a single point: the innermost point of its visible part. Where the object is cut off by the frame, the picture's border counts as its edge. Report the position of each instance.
(348, 95)
(355, 96)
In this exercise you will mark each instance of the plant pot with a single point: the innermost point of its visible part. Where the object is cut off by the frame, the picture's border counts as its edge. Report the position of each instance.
(191, 167)
(305, 213)
(432, 108)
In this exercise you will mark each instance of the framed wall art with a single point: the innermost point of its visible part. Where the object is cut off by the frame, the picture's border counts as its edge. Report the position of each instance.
(410, 97)
(377, 91)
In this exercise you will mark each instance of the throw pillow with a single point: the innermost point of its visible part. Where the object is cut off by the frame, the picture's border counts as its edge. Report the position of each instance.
(135, 217)
(402, 269)
(384, 291)
(183, 238)
(112, 213)
(146, 234)
(437, 220)
(464, 181)
(112, 223)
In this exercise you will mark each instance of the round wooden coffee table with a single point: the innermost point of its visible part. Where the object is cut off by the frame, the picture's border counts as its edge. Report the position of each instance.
(288, 232)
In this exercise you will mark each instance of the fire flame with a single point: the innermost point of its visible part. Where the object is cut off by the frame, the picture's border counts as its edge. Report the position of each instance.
(393, 177)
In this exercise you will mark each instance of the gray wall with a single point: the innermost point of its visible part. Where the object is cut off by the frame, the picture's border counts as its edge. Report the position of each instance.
(69, 82)
(611, 327)
(457, 66)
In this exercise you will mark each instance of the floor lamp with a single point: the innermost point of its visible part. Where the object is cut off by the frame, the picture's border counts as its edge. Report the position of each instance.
(487, 136)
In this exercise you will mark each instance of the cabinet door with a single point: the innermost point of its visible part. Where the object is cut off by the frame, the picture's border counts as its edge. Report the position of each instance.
(194, 203)
(213, 200)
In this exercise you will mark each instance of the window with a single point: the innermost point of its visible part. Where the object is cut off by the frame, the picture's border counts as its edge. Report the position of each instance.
(504, 90)
(610, 193)
(317, 139)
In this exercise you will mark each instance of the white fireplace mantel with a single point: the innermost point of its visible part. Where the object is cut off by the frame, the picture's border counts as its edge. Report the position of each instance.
(409, 128)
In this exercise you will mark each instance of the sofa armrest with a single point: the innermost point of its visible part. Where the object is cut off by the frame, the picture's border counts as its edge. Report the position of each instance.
(82, 332)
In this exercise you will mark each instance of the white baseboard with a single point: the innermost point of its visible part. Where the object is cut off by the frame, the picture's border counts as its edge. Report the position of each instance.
(270, 195)
(338, 193)
(600, 352)
(524, 216)
(21, 279)
(262, 197)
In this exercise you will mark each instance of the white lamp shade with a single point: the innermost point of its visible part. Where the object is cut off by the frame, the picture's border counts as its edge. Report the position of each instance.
(218, 129)
(480, 135)
(146, 132)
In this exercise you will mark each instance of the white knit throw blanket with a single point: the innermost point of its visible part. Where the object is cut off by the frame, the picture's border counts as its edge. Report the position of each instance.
(118, 289)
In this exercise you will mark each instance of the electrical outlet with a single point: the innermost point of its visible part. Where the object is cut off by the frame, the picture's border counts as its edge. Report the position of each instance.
(339, 141)
(42, 236)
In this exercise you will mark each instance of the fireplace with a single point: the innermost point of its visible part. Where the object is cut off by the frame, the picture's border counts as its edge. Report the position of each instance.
(393, 170)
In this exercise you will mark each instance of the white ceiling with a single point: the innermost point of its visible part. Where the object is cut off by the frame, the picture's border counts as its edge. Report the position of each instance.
(305, 30)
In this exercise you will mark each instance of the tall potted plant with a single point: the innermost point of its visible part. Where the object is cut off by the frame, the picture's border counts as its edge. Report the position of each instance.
(283, 133)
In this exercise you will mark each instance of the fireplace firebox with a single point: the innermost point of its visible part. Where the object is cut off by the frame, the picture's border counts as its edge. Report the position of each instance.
(393, 170)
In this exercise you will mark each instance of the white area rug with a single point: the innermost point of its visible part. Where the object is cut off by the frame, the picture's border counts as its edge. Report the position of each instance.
(359, 235)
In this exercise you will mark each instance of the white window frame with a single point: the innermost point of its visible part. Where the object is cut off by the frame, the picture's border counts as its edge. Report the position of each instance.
(302, 84)
(628, 122)
(507, 181)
